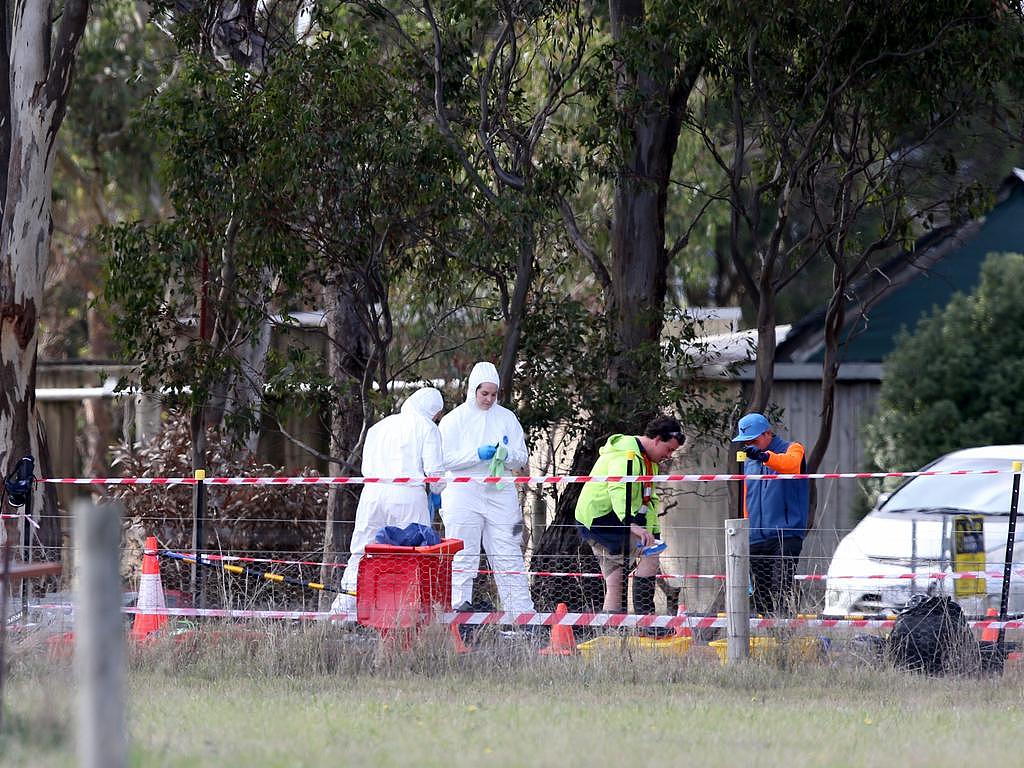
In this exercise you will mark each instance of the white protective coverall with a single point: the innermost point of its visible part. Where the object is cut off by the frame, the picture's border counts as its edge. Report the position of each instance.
(405, 444)
(474, 511)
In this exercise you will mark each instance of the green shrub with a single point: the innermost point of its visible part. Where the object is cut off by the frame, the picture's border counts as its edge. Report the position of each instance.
(958, 380)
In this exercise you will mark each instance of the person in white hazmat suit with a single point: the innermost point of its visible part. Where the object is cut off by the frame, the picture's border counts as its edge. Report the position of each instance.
(472, 434)
(405, 444)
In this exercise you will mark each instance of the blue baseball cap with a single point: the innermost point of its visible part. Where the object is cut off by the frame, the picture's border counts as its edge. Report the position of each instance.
(752, 426)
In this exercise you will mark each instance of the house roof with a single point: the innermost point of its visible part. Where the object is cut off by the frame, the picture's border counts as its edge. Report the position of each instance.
(721, 349)
(896, 294)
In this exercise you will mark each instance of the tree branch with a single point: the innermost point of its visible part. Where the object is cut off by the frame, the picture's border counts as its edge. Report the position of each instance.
(585, 250)
(58, 80)
(440, 115)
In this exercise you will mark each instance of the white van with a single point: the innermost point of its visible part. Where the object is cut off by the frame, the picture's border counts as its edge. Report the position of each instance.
(904, 546)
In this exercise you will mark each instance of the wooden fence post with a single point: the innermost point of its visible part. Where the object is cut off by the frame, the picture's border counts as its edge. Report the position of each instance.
(99, 636)
(737, 585)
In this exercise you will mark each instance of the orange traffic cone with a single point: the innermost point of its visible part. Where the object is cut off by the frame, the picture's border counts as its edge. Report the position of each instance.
(457, 642)
(151, 594)
(990, 633)
(683, 630)
(563, 642)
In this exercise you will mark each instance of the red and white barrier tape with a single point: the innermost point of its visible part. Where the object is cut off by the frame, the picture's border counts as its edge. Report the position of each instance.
(32, 522)
(490, 480)
(938, 576)
(934, 576)
(612, 620)
(672, 622)
(226, 613)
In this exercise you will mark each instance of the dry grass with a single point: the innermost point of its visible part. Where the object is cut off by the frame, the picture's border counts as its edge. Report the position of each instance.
(317, 695)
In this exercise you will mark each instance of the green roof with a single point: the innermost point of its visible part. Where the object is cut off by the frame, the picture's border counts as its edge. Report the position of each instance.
(871, 339)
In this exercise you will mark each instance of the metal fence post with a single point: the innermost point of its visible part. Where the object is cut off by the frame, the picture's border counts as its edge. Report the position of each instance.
(737, 584)
(1011, 532)
(741, 467)
(627, 540)
(198, 538)
(26, 541)
(99, 636)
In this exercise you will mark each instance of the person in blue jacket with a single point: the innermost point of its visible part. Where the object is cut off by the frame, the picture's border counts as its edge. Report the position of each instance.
(778, 511)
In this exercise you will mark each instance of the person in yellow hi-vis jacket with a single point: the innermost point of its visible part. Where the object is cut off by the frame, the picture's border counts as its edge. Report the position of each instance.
(603, 520)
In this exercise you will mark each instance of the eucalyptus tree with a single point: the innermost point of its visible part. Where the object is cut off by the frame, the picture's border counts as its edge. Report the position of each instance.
(319, 178)
(39, 50)
(647, 57)
(823, 117)
(235, 37)
(369, 189)
(802, 115)
(495, 78)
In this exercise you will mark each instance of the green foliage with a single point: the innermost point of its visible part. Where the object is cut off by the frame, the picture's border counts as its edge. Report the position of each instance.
(958, 380)
(565, 355)
(326, 168)
(321, 172)
(119, 65)
(855, 119)
(155, 272)
(104, 169)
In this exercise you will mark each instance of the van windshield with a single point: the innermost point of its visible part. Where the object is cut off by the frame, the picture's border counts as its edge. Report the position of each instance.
(985, 494)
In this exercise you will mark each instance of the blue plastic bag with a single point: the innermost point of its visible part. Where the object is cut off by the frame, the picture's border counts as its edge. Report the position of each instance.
(413, 535)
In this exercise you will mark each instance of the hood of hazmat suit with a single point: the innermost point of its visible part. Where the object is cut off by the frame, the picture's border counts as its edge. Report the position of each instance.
(468, 427)
(427, 402)
(487, 514)
(407, 443)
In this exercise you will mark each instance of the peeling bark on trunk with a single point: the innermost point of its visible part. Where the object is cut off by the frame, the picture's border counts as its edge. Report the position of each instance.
(662, 84)
(33, 112)
(639, 259)
(639, 264)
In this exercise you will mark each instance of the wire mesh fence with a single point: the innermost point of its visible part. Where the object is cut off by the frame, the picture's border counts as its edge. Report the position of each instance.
(280, 577)
(264, 550)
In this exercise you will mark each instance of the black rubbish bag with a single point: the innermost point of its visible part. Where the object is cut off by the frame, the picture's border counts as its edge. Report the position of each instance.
(931, 635)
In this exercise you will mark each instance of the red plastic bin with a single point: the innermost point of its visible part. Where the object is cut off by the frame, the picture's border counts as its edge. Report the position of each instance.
(401, 587)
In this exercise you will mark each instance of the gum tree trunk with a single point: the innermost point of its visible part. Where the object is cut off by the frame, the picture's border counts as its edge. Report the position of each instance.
(348, 358)
(652, 87)
(36, 77)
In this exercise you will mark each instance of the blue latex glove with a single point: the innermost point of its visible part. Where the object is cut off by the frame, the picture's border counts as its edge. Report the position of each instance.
(756, 454)
(653, 549)
(433, 503)
(486, 452)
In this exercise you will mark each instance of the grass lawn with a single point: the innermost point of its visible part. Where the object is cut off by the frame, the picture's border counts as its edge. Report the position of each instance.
(313, 701)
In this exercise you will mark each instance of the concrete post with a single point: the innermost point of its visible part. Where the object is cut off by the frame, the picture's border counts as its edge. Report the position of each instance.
(99, 636)
(737, 583)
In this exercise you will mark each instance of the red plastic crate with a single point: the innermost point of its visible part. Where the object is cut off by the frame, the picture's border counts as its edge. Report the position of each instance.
(401, 587)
